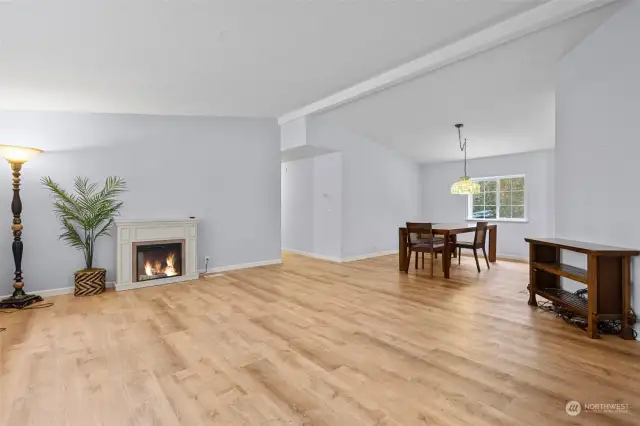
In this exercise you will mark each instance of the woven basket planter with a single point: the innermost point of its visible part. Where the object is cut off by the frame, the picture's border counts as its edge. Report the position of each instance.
(89, 282)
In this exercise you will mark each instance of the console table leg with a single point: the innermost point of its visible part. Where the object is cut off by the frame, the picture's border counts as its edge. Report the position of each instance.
(532, 297)
(592, 326)
(626, 332)
(532, 277)
(592, 286)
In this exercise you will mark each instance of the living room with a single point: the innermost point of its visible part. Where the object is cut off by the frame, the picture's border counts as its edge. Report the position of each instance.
(249, 254)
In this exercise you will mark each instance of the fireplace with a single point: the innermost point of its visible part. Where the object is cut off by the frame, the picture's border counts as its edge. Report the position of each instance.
(154, 260)
(155, 252)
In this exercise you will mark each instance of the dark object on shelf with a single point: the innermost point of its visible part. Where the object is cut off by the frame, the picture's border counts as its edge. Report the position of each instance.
(567, 299)
(607, 278)
(577, 320)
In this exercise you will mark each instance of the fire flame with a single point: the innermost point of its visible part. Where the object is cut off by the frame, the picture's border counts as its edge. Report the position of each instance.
(156, 268)
(147, 268)
(170, 270)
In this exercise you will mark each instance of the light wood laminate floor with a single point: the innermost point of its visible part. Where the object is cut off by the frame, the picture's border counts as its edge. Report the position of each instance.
(312, 342)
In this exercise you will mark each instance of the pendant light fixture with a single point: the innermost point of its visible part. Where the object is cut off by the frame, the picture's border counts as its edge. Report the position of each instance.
(465, 185)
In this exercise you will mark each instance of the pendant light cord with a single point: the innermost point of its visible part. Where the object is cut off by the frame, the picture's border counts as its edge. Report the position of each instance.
(463, 147)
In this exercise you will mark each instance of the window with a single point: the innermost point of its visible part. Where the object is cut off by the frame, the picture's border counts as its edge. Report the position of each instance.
(500, 198)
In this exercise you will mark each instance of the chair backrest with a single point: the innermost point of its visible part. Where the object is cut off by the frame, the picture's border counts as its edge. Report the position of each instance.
(481, 234)
(417, 231)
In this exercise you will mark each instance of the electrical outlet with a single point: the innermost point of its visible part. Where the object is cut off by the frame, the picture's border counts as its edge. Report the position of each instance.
(206, 258)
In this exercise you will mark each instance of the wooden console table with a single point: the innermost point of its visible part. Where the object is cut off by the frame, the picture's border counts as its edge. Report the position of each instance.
(607, 277)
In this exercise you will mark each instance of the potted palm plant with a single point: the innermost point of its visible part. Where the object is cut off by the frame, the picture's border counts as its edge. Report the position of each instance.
(85, 215)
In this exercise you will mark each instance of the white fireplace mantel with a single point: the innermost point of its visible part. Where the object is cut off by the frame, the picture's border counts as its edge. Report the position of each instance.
(137, 231)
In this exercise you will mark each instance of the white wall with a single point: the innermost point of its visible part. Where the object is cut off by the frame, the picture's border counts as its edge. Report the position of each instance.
(380, 189)
(328, 204)
(312, 205)
(293, 134)
(297, 205)
(226, 172)
(597, 148)
(439, 205)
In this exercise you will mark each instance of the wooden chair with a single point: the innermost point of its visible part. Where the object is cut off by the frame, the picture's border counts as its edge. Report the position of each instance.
(421, 240)
(479, 240)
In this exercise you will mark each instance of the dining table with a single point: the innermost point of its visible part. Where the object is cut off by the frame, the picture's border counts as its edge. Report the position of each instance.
(449, 233)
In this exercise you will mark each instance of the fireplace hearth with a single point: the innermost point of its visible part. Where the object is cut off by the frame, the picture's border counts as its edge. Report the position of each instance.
(158, 259)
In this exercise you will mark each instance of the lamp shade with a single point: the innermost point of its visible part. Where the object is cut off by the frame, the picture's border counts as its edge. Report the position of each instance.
(18, 154)
(465, 186)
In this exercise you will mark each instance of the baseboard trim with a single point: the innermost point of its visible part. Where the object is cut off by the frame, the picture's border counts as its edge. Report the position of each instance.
(314, 255)
(241, 266)
(48, 293)
(344, 259)
(133, 286)
(369, 255)
(512, 258)
(59, 291)
(506, 258)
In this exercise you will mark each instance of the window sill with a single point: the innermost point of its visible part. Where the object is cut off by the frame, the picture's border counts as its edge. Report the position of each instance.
(525, 220)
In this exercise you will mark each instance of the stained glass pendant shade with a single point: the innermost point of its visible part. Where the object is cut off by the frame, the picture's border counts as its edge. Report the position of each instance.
(465, 185)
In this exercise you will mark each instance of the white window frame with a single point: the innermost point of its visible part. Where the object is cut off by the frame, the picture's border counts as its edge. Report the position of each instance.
(497, 179)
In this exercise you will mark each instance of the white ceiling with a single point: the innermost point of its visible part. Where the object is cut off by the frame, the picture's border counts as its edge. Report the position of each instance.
(505, 97)
(225, 58)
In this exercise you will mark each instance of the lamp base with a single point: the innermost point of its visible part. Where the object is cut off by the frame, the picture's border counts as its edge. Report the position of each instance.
(19, 302)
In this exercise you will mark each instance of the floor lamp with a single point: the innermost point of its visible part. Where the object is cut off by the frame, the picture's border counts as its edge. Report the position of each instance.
(17, 156)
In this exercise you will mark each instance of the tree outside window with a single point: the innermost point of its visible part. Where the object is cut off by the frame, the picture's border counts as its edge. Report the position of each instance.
(499, 198)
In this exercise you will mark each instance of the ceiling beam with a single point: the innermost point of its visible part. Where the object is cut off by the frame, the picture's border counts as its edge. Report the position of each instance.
(547, 14)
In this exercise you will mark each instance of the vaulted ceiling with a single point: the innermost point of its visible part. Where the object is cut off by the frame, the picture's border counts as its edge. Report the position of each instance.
(216, 57)
(505, 97)
(271, 57)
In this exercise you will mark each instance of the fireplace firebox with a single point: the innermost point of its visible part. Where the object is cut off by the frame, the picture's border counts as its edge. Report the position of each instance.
(153, 260)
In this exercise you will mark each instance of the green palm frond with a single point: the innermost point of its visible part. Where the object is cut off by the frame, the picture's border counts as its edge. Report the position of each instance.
(85, 190)
(71, 235)
(61, 196)
(106, 229)
(87, 213)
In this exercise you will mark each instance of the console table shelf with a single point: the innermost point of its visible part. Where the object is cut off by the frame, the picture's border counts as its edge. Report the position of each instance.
(565, 299)
(608, 280)
(567, 271)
